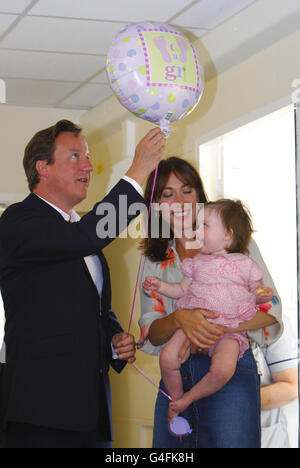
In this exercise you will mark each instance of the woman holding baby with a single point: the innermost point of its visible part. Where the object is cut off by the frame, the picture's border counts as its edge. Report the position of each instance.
(207, 364)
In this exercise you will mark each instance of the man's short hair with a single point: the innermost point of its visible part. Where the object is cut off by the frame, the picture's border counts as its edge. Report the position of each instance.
(42, 148)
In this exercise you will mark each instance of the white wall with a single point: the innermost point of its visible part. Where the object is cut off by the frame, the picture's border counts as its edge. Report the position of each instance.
(17, 126)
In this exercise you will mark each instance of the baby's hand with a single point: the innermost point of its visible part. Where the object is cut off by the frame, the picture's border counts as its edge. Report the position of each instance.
(263, 294)
(151, 284)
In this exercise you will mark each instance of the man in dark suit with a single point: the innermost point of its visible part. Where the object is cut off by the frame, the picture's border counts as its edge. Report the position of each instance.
(60, 331)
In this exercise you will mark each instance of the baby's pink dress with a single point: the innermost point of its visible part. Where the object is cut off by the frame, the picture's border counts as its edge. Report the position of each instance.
(221, 284)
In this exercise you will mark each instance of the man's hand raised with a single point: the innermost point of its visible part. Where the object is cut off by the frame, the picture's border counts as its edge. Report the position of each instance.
(147, 155)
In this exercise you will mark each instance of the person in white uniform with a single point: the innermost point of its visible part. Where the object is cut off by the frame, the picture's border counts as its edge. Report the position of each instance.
(278, 366)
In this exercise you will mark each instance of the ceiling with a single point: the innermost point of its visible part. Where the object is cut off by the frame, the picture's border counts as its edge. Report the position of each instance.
(53, 52)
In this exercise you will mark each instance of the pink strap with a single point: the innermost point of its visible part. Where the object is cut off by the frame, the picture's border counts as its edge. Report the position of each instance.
(141, 259)
(151, 381)
(136, 289)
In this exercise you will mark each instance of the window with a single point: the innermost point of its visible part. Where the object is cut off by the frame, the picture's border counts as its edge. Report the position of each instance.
(256, 164)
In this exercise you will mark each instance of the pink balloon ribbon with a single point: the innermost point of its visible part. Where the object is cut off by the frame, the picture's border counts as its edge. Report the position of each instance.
(136, 289)
(141, 259)
(151, 381)
(177, 422)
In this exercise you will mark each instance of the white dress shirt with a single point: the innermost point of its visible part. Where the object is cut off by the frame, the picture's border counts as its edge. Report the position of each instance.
(93, 263)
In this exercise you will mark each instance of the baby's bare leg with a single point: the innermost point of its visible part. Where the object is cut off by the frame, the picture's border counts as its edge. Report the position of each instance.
(222, 369)
(170, 365)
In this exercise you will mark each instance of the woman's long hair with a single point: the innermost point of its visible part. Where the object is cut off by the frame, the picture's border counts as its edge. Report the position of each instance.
(157, 249)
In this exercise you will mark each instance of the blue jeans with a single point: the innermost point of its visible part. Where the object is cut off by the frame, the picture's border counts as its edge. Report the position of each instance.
(228, 419)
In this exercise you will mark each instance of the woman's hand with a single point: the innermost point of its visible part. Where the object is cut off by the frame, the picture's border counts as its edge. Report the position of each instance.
(197, 329)
(260, 320)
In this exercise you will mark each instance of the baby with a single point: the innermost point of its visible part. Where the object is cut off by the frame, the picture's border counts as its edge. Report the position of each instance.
(222, 279)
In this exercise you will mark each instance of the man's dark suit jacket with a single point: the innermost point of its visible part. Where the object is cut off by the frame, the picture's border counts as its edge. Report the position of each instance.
(58, 346)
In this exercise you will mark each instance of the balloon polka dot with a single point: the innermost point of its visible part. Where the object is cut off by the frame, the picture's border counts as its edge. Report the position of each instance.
(143, 70)
(135, 98)
(117, 53)
(131, 53)
(156, 106)
(171, 98)
(154, 91)
(132, 84)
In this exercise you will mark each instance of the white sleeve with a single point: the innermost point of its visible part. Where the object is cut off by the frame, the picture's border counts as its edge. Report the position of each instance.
(134, 183)
(283, 354)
